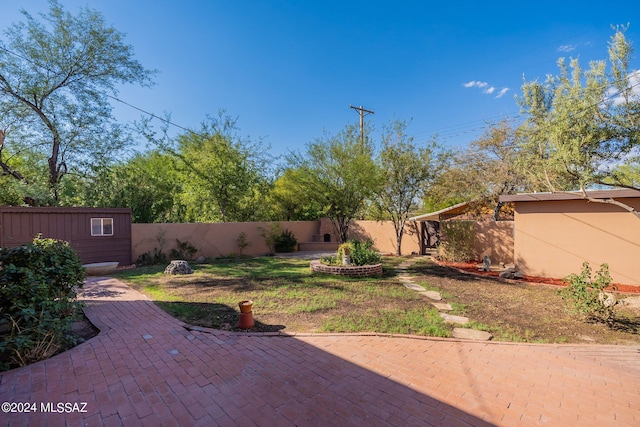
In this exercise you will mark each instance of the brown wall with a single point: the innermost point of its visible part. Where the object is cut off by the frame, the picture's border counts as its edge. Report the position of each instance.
(19, 225)
(553, 238)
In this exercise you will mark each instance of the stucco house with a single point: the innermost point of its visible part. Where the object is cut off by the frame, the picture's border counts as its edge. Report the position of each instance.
(554, 233)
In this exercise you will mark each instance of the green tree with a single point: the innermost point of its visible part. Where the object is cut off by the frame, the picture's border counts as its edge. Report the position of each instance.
(17, 188)
(406, 171)
(582, 123)
(289, 200)
(56, 77)
(225, 177)
(485, 170)
(339, 174)
(148, 183)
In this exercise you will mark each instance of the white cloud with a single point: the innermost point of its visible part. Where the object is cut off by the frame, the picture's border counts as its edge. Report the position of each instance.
(474, 83)
(634, 83)
(502, 92)
(567, 48)
(485, 88)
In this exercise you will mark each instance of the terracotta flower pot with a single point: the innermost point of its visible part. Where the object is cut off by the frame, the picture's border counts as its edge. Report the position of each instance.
(245, 306)
(245, 321)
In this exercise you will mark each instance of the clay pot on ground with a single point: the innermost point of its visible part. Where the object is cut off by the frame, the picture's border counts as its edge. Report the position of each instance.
(245, 306)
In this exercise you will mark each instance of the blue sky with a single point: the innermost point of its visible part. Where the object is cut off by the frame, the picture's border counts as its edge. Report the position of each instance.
(288, 70)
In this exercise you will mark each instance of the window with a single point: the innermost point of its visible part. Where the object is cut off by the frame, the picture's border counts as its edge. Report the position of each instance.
(102, 226)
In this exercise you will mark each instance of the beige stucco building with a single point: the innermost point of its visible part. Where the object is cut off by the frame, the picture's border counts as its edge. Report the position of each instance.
(555, 233)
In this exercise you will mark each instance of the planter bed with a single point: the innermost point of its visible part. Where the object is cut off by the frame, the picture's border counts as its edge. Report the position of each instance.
(352, 270)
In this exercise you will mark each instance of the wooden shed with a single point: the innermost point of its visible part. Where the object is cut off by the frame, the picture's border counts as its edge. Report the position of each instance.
(96, 234)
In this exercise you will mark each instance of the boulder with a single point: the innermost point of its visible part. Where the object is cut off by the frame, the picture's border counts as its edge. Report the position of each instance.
(178, 267)
(511, 273)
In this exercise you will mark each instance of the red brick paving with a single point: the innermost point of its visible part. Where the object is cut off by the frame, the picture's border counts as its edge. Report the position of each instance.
(145, 368)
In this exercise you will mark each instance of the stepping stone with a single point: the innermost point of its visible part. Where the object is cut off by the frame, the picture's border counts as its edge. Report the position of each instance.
(432, 295)
(414, 286)
(471, 334)
(461, 320)
(406, 278)
(442, 306)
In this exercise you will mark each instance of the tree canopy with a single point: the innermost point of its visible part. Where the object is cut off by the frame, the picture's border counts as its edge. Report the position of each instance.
(583, 123)
(56, 77)
(405, 173)
(338, 173)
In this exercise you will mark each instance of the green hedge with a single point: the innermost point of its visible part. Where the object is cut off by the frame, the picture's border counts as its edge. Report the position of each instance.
(38, 284)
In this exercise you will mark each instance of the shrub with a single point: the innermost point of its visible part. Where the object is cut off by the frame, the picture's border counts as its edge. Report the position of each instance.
(277, 239)
(242, 242)
(285, 242)
(184, 250)
(38, 284)
(586, 293)
(362, 253)
(147, 258)
(270, 236)
(457, 241)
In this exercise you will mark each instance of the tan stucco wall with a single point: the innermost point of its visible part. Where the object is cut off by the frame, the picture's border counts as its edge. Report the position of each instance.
(216, 239)
(553, 238)
(495, 239)
(212, 239)
(383, 235)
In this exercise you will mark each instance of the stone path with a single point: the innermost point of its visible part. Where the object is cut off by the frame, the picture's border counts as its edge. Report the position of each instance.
(433, 297)
(145, 368)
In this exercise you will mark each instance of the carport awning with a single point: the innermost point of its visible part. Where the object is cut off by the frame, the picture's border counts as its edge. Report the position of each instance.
(454, 210)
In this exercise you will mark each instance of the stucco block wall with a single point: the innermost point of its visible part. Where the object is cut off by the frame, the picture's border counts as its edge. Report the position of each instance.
(212, 239)
(383, 235)
(554, 238)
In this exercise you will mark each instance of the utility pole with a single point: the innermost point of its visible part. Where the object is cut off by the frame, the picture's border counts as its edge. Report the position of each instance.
(362, 112)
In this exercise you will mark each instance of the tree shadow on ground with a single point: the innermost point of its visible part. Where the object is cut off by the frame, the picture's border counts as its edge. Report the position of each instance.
(213, 315)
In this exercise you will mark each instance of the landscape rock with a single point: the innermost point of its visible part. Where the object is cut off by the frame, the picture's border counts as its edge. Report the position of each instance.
(442, 306)
(414, 286)
(471, 334)
(607, 299)
(432, 295)
(511, 273)
(633, 301)
(178, 267)
(461, 320)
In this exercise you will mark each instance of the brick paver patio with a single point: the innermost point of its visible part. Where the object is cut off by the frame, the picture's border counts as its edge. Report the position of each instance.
(146, 368)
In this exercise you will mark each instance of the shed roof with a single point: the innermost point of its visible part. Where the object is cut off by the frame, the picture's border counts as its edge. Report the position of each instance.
(571, 195)
(458, 209)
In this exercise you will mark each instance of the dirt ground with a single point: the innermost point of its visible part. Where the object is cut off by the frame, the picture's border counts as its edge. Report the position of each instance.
(535, 312)
(511, 311)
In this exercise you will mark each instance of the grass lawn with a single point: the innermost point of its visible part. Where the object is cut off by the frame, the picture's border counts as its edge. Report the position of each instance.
(288, 297)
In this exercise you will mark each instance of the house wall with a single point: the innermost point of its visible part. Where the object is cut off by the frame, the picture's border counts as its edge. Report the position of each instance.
(19, 225)
(492, 238)
(553, 238)
(495, 239)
